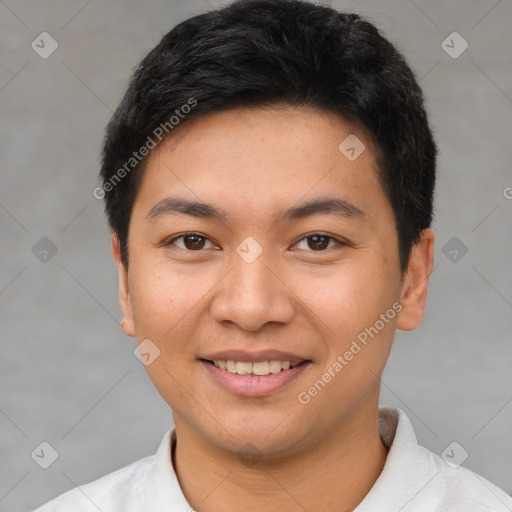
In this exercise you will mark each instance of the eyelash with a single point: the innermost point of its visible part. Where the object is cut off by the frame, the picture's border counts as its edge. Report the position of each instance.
(338, 242)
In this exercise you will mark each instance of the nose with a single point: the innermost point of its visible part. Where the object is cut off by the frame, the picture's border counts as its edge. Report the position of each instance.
(252, 295)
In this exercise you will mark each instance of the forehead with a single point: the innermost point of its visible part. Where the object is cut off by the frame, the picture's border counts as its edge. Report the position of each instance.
(257, 158)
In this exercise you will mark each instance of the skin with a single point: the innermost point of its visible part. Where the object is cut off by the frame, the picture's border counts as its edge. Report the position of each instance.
(254, 163)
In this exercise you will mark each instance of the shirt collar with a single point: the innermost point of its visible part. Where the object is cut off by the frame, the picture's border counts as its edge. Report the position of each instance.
(164, 491)
(408, 469)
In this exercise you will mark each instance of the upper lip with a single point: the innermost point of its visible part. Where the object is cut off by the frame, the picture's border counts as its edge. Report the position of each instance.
(253, 357)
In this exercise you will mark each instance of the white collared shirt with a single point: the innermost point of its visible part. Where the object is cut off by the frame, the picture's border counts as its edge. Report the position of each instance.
(413, 480)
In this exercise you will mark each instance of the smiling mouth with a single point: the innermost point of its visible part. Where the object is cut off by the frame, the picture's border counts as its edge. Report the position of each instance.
(257, 369)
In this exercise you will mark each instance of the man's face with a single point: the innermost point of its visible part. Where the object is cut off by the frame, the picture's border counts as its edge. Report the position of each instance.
(254, 284)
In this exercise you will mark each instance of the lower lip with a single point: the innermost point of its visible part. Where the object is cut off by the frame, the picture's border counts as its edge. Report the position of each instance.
(252, 386)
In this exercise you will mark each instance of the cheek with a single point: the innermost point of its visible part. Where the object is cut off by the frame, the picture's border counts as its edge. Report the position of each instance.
(166, 301)
(152, 301)
(160, 299)
(357, 338)
(162, 303)
(349, 300)
(156, 284)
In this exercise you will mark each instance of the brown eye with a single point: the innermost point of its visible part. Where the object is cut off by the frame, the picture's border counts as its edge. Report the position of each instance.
(318, 242)
(190, 242)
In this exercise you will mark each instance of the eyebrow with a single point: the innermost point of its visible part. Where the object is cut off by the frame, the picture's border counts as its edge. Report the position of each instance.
(328, 205)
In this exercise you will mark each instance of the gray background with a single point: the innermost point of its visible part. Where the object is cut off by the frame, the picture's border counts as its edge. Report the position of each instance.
(67, 374)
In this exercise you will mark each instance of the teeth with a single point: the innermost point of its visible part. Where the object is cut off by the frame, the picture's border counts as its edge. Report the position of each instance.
(260, 368)
(243, 368)
(275, 366)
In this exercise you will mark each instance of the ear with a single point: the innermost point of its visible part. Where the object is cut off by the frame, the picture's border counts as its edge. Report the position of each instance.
(415, 283)
(127, 324)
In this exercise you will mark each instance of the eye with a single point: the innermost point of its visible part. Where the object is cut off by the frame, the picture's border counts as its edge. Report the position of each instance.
(190, 241)
(195, 242)
(319, 242)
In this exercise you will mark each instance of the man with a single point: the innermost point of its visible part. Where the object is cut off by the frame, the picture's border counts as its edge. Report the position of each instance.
(268, 178)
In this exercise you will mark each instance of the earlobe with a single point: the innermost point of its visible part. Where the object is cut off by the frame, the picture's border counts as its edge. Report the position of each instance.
(415, 283)
(127, 324)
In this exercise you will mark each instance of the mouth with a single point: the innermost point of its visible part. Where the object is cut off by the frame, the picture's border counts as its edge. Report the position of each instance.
(260, 368)
(253, 378)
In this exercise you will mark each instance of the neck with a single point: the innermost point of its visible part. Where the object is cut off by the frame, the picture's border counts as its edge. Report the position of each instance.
(334, 474)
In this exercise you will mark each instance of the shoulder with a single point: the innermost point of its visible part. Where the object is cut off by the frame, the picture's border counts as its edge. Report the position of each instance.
(416, 480)
(122, 490)
(460, 489)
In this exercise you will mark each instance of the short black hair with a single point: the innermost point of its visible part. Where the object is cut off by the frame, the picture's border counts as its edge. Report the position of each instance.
(259, 53)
